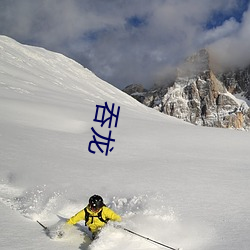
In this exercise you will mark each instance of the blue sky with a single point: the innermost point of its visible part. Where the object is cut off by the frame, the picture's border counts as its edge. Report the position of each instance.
(218, 17)
(131, 41)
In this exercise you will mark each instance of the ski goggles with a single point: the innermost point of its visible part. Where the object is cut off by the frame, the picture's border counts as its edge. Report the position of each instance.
(94, 208)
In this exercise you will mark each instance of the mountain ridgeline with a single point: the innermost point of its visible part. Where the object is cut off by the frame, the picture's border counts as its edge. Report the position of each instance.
(201, 95)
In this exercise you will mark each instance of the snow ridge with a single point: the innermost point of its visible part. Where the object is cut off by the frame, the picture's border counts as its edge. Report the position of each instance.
(183, 185)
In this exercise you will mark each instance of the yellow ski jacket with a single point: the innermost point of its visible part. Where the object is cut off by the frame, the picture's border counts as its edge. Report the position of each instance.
(94, 223)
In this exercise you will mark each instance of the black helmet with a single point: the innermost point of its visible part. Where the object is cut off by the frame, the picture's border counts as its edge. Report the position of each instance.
(95, 202)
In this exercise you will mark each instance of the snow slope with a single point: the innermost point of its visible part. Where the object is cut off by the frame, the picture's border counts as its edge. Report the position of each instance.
(176, 183)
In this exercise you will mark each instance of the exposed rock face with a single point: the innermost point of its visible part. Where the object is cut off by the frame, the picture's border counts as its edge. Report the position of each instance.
(199, 97)
(237, 81)
(137, 91)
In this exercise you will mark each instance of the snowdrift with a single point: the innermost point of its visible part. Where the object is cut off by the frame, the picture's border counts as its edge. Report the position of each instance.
(182, 185)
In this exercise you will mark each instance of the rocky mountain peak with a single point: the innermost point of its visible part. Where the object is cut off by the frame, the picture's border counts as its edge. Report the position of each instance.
(200, 96)
(196, 64)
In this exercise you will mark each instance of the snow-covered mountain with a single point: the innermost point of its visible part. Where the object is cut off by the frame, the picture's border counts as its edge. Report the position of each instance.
(201, 96)
(237, 81)
(183, 185)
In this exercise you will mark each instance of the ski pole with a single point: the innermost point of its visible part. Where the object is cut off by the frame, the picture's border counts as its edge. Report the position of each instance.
(146, 238)
(45, 228)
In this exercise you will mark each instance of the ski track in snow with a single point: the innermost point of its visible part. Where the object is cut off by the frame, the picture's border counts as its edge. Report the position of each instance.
(144, 214)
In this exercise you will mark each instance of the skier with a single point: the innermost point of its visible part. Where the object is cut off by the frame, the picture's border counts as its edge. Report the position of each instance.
(95, 214)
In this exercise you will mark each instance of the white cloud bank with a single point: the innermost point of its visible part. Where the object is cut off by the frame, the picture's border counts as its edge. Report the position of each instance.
(129, 41)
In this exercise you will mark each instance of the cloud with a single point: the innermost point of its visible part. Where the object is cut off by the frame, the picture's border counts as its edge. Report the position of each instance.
(233, 49)
(228, 28)
(121, 41)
